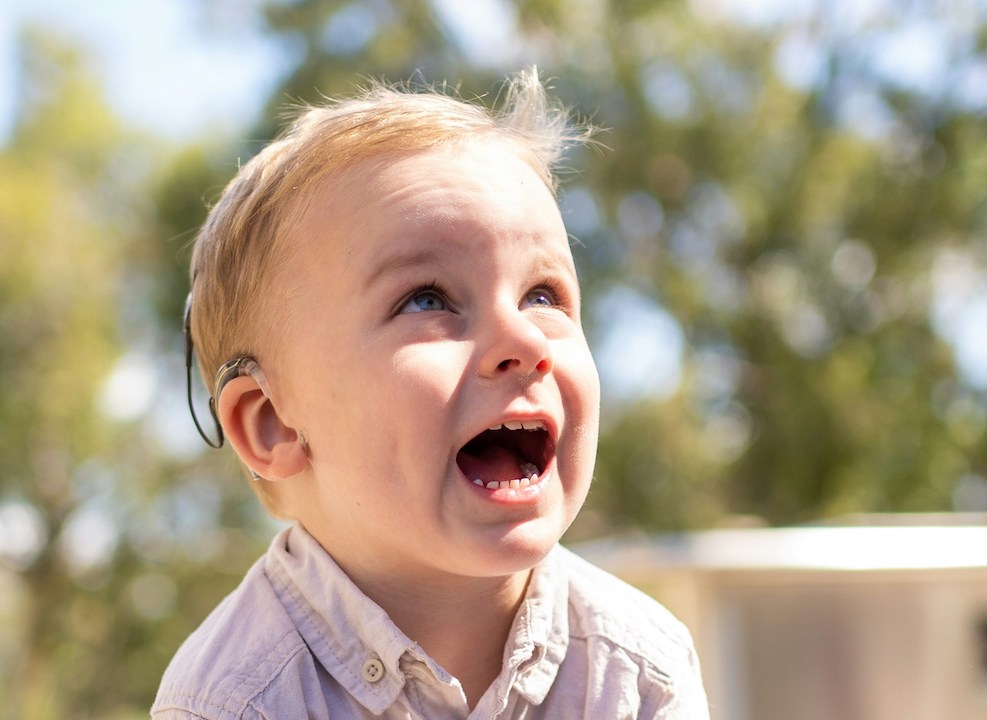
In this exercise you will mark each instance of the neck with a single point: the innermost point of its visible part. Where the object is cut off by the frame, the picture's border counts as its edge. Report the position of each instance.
(462, 623)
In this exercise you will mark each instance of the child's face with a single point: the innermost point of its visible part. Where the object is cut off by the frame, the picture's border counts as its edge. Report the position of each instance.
(433, 296)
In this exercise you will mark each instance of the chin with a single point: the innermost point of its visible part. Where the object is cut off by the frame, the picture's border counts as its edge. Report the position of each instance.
(518, 550)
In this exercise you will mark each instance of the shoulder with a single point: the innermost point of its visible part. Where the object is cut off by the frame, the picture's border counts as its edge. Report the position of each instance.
(243, 647)
(603, 604)
(623, 631)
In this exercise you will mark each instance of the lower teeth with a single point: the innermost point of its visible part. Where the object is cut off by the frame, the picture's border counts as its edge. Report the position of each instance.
(529, 474)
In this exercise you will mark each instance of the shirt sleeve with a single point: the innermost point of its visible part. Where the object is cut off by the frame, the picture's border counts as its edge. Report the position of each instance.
(687, 699)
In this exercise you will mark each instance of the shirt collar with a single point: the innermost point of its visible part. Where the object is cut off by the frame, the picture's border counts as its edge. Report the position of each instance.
(346, 630)
(540, 636)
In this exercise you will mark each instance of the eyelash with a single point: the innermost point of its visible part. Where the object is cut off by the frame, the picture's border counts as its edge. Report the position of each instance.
(430, 287)
(555, 290)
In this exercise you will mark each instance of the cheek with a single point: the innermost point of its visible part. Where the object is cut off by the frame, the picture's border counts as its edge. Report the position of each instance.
(402, 400)
(581, 400)
(430, 371)
(582, 391)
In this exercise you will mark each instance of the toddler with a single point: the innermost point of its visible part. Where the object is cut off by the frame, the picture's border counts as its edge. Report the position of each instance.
(385, 304)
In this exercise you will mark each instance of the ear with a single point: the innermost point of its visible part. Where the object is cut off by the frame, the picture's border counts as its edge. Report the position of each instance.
(252, 425)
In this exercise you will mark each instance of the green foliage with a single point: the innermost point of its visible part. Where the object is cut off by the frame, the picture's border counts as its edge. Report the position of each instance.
(794, 246)
(102, 572)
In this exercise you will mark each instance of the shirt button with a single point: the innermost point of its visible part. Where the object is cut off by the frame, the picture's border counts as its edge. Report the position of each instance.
(373, 670)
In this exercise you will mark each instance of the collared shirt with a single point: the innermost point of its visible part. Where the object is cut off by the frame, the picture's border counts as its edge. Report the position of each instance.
(298, 639)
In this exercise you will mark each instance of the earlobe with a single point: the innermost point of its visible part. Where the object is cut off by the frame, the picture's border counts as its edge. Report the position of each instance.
(255, 430)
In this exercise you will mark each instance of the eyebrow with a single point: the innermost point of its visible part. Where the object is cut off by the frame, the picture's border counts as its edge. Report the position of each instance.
(400, 261)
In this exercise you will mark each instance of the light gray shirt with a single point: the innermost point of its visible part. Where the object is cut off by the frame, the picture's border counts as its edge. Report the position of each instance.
(297, 639)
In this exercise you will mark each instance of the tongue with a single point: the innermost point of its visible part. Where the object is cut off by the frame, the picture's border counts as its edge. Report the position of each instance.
(492, 463)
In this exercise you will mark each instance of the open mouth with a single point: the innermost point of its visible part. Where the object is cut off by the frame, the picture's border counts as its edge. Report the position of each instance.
(512, 455)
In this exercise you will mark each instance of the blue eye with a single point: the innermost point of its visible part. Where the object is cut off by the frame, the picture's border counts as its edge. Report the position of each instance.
(424, 300)
(541, 298)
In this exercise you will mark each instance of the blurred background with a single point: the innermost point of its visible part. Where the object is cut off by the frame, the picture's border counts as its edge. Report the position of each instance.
(785, 273)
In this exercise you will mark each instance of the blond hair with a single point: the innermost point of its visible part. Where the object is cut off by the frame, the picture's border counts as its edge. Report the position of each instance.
(246, 232)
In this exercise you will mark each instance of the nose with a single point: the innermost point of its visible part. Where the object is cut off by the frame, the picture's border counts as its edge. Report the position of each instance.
(515, 344)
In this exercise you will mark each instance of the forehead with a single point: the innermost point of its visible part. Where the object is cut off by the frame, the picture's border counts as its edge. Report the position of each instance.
(469, 193)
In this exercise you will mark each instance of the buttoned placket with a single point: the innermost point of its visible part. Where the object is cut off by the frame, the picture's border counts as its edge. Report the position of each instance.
(389, 664)
(418, 670)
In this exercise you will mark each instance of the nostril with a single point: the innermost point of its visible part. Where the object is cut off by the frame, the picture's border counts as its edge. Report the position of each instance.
(542, 367)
